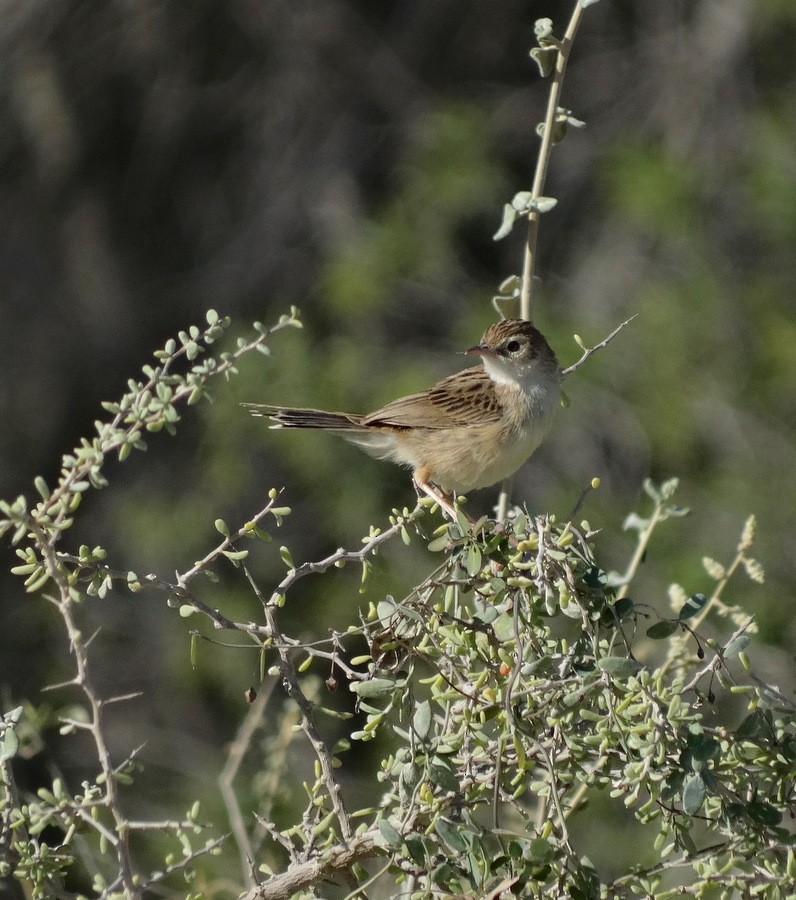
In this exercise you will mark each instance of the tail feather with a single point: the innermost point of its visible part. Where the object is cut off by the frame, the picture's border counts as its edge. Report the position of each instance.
(289, 417)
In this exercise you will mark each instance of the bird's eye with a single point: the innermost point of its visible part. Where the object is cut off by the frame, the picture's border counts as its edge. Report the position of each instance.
(513, 346)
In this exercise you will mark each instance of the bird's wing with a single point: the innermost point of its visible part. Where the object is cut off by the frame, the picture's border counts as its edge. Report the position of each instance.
(299, 417)
(466, 398)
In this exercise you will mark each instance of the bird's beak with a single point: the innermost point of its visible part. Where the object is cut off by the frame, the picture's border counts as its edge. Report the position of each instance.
(481, 350)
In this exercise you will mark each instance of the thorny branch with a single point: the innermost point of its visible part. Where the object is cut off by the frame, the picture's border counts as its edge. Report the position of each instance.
(293, 688)
(78, 646)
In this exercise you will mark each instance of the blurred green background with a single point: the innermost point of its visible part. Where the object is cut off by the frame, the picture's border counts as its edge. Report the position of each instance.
(352, 158)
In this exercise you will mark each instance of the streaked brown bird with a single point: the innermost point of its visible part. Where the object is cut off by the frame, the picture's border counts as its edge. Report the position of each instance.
(469, 430)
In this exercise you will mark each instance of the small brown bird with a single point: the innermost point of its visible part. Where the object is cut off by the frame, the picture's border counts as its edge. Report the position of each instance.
(469, 430)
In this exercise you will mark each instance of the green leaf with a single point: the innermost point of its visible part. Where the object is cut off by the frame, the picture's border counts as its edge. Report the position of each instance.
(543, 28)
(692, 606)
(9, 746)
(41, 487)
(390, 835)
(752, 726)
(417, 850)
(763, 813)
(472, 561)
(442, 874)
(439, 543)
(376, 687)
(540, 851)
(694, 791)
(485, 612)
(619, 666)
(545, 59)
(543, 204)
(736, 645)
(634, 521)
(287, 558)
(510, 286)
(651, 490)
(661, 630)
(235, 555)
(704, 749)
(421, 721)
(594, 577)
(509, 218)
(443, 777)
(451, 834)
(386, 610)
(623, 607)
(522, 200)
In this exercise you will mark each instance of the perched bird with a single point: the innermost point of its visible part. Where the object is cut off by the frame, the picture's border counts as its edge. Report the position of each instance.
(469, 430)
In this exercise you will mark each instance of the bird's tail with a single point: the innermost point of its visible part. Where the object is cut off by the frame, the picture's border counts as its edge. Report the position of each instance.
(289, 417)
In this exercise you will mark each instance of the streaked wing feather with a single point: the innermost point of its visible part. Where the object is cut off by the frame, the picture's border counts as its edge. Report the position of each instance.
(298, 417)
(466, 398)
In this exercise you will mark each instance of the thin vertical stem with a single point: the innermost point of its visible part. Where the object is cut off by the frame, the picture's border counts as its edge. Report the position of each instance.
(539, 178)
(543, 160)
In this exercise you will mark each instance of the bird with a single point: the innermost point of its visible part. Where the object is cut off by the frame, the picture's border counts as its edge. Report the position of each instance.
(470, 430)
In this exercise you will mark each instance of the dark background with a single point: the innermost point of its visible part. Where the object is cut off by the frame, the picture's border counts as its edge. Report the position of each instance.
(352, 158)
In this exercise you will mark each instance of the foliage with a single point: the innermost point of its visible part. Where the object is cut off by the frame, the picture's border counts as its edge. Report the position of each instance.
(514, 684)
(515, 703)
(68, 580)
(512, 693)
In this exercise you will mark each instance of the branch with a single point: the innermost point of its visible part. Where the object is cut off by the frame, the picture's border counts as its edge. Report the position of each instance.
(235, 754)
(543, 159)
(343, 555)
(291, 684)
(564, 48)
(588, 352)
(124, 430)
(338, 859)
(97, 727)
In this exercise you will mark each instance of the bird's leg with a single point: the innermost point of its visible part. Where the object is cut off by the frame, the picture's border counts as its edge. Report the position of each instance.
(445, 501)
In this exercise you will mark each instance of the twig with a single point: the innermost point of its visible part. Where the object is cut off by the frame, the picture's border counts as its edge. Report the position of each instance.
(235, 754)
(219, 620)
(180, 589)
(687, 859)
(228, 542)
(291, 683)
(645, 536)
(54, 568)
(342, 555)
(713, 600)
(580, 501)
(588, 352)
(178, 866)
(717, 661)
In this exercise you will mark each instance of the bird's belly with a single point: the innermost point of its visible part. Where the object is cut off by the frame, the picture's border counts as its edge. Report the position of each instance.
(465, 459)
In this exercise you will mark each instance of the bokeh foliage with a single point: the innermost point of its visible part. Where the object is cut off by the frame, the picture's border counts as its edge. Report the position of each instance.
(352, 158)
